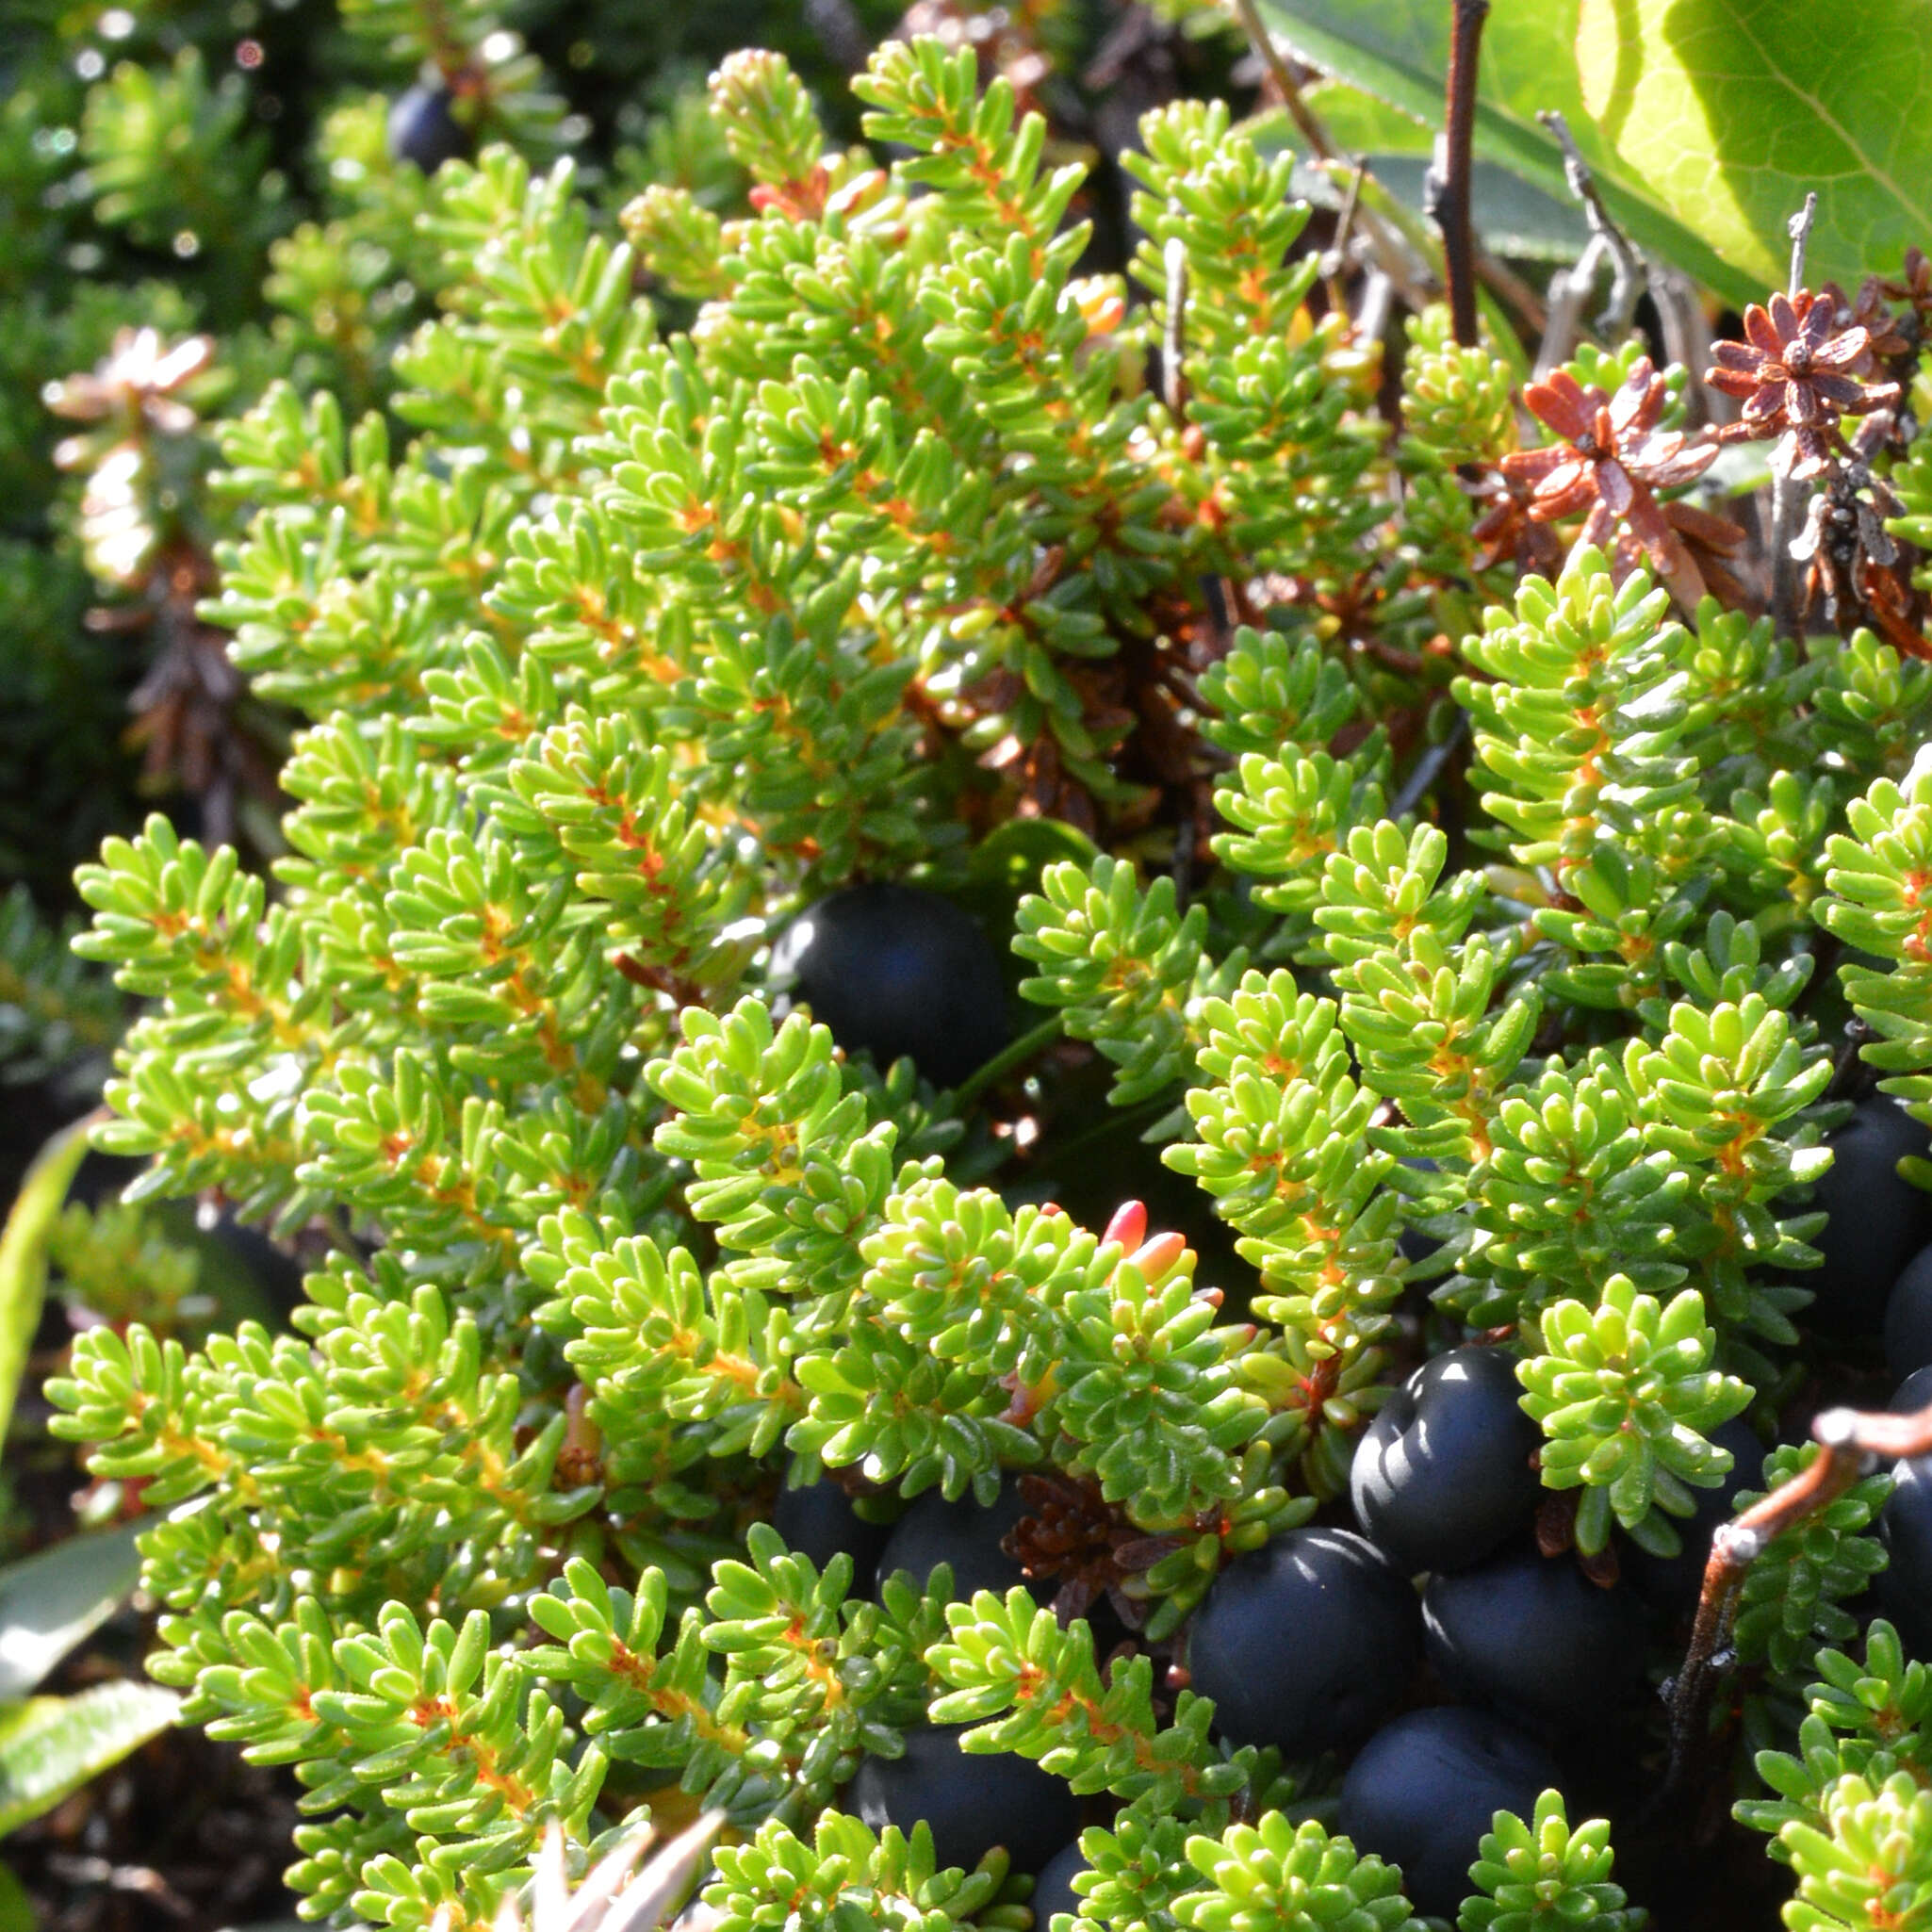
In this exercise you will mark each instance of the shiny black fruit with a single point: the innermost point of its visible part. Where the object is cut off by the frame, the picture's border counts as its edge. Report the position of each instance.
(1417, 1246)
(1901, 1592)
(893, 970)
(1670, 1583)
(971, 1803)
(423, 131)
(1531, 1635)
(1053, 1890)
(1878, 1222)
(962, 1533)
(1914, 1392)
(819, 1521)
(1442, 1474)
(1308, 1643)
(1425, 1789)
(1908, 1317)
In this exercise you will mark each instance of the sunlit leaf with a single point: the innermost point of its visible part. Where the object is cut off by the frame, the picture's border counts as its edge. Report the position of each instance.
(1705, 121)
(16, 1907)
(50, 1746)
(24, 1255)
(49, 1602)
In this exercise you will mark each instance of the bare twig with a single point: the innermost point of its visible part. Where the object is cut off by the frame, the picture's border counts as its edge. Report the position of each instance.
(1334, 258)
(1569, 289)
(1371, 312)
(1784, 493)
(1392, 256)
(1850, 1440)
(1799, 228)
(1448, 174)
(1173, 341)
(1687, 342)
(143, 1880)
(1285, 84)
(1627, 269)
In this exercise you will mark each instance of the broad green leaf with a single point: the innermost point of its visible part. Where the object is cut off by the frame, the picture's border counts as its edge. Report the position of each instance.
(1022, 847)
(16, 1907)
(1398, 51)
(1730, 109)
(24, 1255)
(49, 1602)
(1359, 122)
(50, 1746)
(1704, 120)
(1514, 217)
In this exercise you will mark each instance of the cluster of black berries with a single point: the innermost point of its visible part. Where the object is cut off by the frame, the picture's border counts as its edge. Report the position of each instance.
(971, 1804)
(1320, 1643)
(1447, 1702)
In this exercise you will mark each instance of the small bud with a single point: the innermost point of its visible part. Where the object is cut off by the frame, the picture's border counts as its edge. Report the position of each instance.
(1157, 1259)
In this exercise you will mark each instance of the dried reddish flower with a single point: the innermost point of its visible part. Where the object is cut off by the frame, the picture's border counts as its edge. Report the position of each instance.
(1505, 531)
(1613, 459)
(1072, 1537)
(1914, 288)
(1853, 567)
(1714, 543)
(185, 707)
(134, 384)
(1797, 373)
(1889, 336)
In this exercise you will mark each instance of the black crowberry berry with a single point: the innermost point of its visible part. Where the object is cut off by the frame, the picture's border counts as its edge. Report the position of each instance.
(962, 1533)
(1306, 1645)
(1053, 1890)
(1908, 1317)
(1531, 1635)
(1878, 1222)
(267, 1263)
(1426, 1788)
(893, 970)
(819, 1521)
(971, 1803)
(1417, 1246)
(1442, 1474)
(1670, 1583)
(423, 129)
(1901, 1592)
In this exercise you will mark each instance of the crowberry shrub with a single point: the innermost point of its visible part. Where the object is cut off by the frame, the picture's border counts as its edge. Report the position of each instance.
(842, 751)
